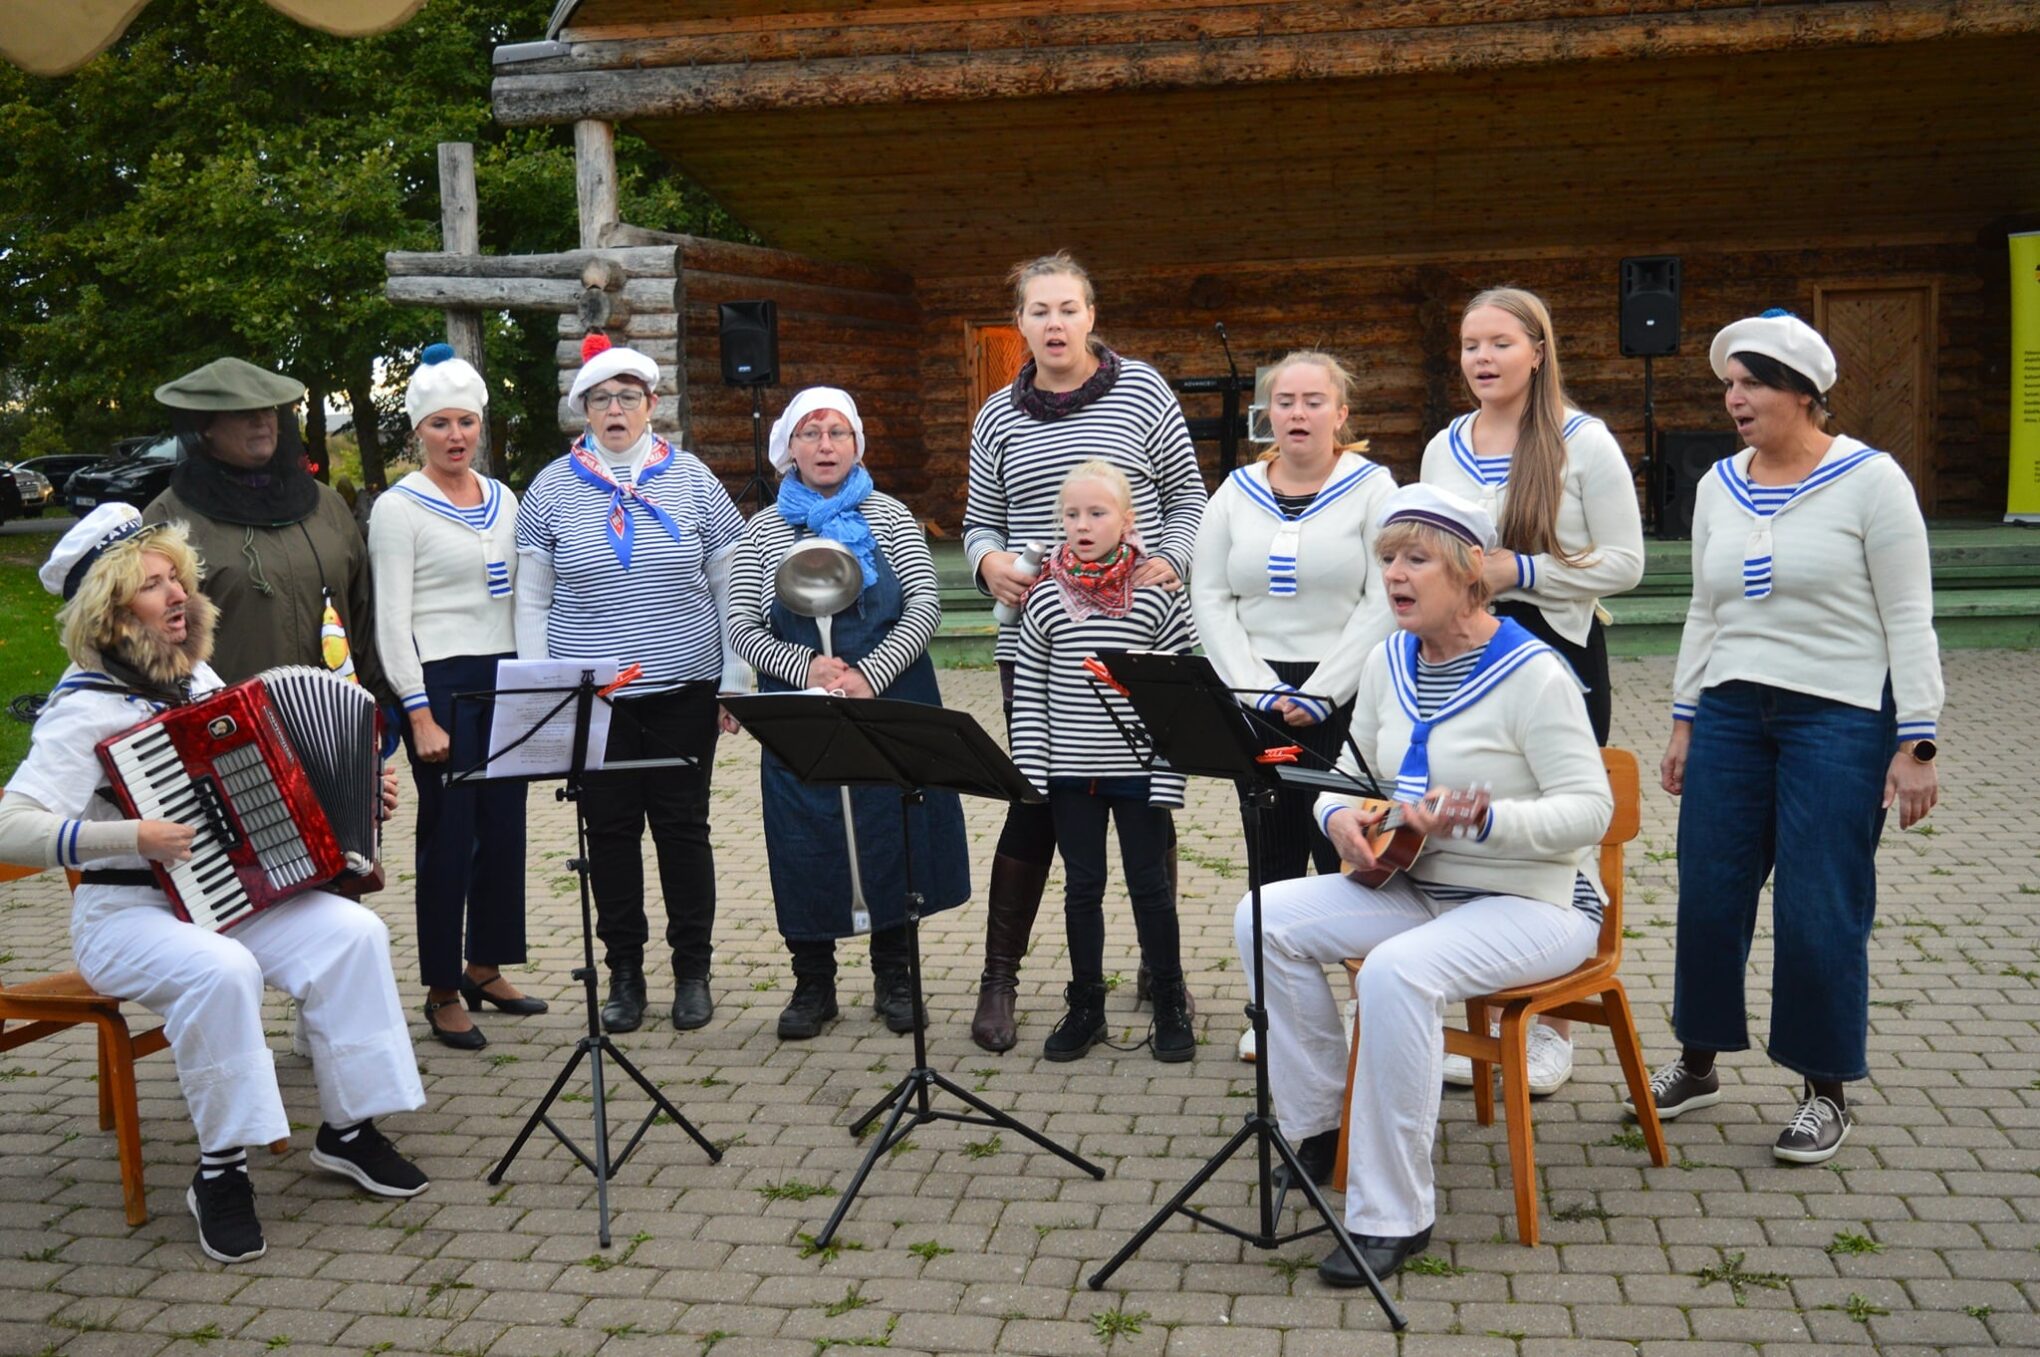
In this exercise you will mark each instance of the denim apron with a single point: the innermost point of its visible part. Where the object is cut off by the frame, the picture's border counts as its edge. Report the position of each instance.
(804, 843)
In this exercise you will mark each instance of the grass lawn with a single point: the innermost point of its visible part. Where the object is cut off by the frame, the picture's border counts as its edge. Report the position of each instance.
(30, 658)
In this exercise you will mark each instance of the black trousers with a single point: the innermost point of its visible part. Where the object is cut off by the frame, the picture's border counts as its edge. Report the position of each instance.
(1589, 661)
(674, 802)
(815, 958)
(1029, 833)
(470, 851)
(1293, 840)
(1146, 833)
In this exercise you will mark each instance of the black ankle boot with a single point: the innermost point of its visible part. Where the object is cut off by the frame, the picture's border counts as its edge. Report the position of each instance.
(893, 998)
(1174, 1040)
(812, 1007)
(1082, 1027)
(626, 1007)
(1318, 1154)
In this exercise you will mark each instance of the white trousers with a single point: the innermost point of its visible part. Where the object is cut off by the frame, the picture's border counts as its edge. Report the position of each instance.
(330, 954)
(1421, 956)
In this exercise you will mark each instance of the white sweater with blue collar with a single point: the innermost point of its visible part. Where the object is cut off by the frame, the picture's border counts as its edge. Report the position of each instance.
(1826, 595)
(1318, 600)
(1598, 520)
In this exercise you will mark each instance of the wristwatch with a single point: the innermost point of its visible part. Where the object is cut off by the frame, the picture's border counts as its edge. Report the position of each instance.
(1923, 751)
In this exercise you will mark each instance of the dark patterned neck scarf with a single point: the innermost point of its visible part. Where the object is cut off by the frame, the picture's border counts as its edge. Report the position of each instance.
(1048, 406)
(1095, 588)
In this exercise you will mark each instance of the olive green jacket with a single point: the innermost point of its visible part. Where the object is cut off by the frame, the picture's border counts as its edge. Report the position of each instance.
(271, 586)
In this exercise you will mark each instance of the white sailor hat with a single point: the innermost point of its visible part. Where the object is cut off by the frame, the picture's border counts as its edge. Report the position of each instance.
(444, 381)
(88, 540)
(601, 360)
(803, 404)
(1420, 503)
(1778, 334)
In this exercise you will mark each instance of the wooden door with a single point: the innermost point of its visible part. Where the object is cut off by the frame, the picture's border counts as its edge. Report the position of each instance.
(1884, 341)
(996, 353)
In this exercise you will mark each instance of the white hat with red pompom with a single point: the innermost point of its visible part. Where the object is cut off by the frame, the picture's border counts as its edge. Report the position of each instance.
(600, 361)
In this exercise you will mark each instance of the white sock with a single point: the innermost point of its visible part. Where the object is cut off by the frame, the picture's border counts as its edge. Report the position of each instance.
(211, 1164)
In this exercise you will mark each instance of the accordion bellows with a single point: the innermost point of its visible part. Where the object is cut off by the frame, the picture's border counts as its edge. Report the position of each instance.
(280, 776)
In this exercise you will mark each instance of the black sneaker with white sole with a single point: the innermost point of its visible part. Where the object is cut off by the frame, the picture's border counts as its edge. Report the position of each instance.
(223, 1204)
(1816, 1131)
(1676, 1089)
(365, 1154)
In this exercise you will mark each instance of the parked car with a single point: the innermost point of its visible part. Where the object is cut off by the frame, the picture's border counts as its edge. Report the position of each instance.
(57, 467)
(134, 476)
(25, 494)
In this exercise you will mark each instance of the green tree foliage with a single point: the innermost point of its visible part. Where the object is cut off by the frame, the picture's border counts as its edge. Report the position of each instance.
(226, 181)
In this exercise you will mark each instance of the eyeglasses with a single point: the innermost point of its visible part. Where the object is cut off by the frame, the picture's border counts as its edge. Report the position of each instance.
(812, 437)
(622, 400)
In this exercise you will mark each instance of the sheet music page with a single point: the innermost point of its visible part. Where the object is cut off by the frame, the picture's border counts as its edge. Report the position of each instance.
(550, 751)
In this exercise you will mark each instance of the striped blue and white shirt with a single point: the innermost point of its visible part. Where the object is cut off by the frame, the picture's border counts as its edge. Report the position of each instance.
(1018, 464)
(443, 579)
(660, 613)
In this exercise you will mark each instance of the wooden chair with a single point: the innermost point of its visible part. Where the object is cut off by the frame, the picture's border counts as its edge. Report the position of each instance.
(52, 1003)
(1591, 993)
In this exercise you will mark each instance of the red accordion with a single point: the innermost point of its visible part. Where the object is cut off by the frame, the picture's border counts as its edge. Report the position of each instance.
(281, 778)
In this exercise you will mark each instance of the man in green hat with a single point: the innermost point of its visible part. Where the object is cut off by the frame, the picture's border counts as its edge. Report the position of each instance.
(280, 549)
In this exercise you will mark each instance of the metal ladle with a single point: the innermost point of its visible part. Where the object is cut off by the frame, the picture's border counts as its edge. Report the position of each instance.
(820, 578)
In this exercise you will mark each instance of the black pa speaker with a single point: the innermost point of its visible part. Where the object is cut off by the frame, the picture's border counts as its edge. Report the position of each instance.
(750, 343)
(1650, 306)
(1688, 456)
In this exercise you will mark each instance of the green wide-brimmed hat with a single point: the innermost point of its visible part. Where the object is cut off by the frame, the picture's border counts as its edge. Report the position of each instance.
(230, 384)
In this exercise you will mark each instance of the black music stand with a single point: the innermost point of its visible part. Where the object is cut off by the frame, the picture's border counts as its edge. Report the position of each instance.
(878, 742)
(1195, 725)
(596, 1043)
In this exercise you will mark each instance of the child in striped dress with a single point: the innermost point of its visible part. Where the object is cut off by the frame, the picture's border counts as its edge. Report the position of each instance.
(1070, 747)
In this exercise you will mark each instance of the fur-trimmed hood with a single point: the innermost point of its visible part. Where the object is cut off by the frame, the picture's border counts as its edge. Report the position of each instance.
(154, 667)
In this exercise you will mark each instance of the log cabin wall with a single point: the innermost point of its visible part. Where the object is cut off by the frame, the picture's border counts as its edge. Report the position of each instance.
(1395, 324)
(839, 325)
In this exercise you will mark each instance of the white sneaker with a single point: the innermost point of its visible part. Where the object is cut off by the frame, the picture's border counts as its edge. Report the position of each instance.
(1247, 1045)
(1459, 1068)
(1550, 1060)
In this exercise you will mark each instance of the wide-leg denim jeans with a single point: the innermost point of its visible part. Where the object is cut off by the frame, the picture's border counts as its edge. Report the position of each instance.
(1784, 782)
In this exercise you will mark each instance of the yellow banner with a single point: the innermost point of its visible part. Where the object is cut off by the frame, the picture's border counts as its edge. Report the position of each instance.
(2022, 496)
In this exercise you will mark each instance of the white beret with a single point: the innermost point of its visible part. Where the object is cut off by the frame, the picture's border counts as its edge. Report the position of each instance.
(1420, 503)
(805, 403)
(84, 544)
(444, 381)
(601, 360)
(1781, 335)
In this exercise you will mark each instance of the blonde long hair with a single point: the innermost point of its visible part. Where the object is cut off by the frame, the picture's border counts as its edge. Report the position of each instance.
(1342, 383)
(96, 620)
(1529, 523)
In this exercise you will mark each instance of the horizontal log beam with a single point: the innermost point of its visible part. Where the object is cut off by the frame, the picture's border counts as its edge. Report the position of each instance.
(1018, 73)
(653, 262)
(529, 294)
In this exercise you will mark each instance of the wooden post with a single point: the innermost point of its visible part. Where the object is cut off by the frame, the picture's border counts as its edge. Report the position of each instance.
(460, 232)
(595, 181)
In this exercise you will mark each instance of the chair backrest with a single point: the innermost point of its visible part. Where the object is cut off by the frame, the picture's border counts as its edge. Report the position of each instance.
(1625, 782)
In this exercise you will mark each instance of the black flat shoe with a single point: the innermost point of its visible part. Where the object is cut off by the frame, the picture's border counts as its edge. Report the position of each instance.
(470, 1040)
(1319, 1155)
(693, 1005)
(626, 1006)
(475, 993)
(1385, 1256)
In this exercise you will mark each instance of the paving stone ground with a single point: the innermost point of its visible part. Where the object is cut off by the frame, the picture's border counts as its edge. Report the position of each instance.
(1922, 1236)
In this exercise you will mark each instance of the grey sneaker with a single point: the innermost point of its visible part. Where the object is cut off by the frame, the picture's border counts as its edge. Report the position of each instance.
(1676, 1089)
(1815, 1132)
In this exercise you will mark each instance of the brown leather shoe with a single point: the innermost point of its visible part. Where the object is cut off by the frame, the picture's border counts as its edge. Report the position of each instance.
(1011, 902)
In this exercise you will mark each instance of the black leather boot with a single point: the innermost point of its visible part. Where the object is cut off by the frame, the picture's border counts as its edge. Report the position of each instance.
(1174, 1040)
(1011, 902)
(812, 1008)
(1082, 1027)
(626, 1007)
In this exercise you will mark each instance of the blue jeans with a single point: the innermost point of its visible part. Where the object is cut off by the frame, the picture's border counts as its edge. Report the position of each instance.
(1786, 781)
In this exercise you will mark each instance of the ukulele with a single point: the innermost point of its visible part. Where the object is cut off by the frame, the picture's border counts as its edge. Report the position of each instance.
(1395, 844)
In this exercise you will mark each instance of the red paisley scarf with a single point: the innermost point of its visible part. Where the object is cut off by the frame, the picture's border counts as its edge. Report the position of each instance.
(1102, 588)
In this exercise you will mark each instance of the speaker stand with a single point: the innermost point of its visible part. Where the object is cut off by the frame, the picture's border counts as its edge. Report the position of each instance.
(761, 480)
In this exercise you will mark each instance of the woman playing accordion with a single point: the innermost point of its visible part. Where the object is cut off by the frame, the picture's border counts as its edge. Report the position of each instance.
(138, 633)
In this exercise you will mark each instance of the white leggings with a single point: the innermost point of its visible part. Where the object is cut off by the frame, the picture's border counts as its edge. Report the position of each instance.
(1421, 956)
(330, 954)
